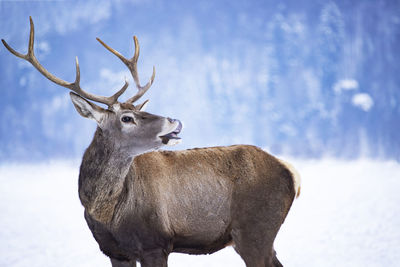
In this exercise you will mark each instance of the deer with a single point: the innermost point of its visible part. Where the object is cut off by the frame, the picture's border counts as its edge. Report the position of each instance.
(142, 203)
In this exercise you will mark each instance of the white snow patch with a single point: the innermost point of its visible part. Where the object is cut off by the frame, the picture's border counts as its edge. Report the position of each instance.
(347, 215)
(363, 101)
(345, 85)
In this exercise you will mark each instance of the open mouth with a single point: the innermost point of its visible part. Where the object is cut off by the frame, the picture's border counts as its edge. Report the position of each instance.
(172, 135)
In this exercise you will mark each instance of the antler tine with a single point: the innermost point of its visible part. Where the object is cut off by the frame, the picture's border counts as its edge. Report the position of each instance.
(75, 86)
(132, 66)
(142, 90)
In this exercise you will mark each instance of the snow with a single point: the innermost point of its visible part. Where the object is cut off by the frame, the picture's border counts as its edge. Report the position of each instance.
(345, 85)
(363, 101)
(347, 215)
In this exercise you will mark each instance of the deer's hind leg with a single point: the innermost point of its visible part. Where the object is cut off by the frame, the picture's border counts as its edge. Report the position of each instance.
(256, 250)
(254, 232)
(117, 263)
(275, 261)
(252, 248)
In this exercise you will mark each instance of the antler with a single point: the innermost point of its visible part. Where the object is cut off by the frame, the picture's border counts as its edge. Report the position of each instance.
(132, 66)
(75, 86)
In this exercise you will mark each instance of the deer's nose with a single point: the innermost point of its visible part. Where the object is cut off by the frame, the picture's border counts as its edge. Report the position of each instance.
(171, 120)
(179, 127)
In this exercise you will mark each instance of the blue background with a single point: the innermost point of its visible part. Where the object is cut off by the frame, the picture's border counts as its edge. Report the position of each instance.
(302, 78)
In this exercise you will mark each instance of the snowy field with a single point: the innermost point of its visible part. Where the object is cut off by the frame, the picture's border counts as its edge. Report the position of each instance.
(347, 215)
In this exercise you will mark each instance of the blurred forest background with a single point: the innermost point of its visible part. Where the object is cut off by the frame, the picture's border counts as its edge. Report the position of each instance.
(307, 79)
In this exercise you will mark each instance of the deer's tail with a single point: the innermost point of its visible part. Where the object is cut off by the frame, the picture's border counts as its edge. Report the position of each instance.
(295, 176)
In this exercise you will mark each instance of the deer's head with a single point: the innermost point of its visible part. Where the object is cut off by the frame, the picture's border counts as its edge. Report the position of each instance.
(124, 124)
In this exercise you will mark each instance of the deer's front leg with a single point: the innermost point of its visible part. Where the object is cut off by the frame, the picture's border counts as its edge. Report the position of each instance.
(154, 258)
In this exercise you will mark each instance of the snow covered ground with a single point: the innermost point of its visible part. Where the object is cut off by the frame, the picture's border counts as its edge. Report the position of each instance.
(347, 215)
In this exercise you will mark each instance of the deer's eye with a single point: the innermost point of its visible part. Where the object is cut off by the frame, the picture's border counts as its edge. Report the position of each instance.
(127, 119)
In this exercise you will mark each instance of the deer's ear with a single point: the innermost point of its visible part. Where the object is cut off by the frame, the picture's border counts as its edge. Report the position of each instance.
(142, 107)
(87, 109)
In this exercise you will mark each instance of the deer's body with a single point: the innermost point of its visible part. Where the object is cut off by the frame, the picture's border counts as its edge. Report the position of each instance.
(194, 201)
(142, 205)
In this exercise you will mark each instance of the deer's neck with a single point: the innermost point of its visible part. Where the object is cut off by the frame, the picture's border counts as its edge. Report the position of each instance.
(102, 175)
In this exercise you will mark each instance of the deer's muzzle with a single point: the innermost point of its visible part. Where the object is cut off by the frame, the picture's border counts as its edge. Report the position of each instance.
(173, 135)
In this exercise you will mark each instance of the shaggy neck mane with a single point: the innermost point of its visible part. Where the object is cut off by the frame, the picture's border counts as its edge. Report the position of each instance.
(102, 174)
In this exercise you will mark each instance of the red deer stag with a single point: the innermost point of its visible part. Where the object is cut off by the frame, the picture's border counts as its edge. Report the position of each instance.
(142, 205)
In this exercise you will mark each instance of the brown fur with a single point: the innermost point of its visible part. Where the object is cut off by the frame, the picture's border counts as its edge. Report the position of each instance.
(194, 201)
